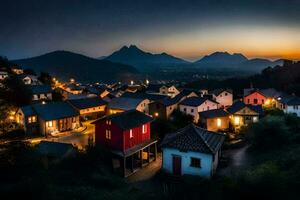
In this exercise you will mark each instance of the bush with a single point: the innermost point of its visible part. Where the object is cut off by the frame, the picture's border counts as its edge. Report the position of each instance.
(271, 132)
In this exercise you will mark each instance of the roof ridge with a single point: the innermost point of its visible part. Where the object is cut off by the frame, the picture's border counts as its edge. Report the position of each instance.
(205, 142)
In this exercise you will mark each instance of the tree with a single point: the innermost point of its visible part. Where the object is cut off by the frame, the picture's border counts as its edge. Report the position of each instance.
(46, 79)
(269, 133)
(16, 92)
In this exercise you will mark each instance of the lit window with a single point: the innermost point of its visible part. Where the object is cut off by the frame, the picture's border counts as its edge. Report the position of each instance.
(144, 128)
(236, 120)
(219, 122)
(130, 133)
(156, 114)
(49, 123)
(108, 134)
(195, 162)
(255, 119)
(108, 122)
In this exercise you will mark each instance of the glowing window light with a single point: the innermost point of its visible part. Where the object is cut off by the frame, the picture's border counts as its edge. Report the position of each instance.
(236, 120)
(219, 122)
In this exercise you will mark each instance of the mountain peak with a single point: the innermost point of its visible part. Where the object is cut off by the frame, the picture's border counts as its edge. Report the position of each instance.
(223, 57)
(135, 56)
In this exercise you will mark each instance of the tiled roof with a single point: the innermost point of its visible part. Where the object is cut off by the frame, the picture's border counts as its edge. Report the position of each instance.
(194, 138)
(214, 113)
(216, 92)
(128, 119)
(40, 89)
(28, 110)
(238, 105)
(54, 110)
(194, 101)
(178, 98)
(124, 103)
(87, 102)
(142, 95)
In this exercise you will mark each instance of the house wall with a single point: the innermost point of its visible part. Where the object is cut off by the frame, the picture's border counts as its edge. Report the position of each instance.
(190, 110)
(292, 110)
(160, 109)
(37, 97)
(194, 111)
(212, 123)
(144, 106)
(255, 95)
(138, 136)
(69, 125)
(206, 169)
(92, 110)
(29, 128)
(224, 100)
(116, 141)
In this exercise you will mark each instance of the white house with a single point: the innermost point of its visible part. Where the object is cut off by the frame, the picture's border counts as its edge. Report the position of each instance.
(192, 151)
(290, 105)
(169, 90)
(223, 96)
(29, 79)
(3, 75)
(193, 105)
(41, 92)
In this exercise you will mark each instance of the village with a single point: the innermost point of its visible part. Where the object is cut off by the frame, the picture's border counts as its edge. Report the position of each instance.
(119, 117)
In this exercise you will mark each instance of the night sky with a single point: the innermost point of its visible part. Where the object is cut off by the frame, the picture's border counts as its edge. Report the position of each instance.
(184, 28)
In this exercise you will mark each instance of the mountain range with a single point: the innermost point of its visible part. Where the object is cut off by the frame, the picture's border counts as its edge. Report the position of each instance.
(130, 62)
(68, 65)
(142, 60)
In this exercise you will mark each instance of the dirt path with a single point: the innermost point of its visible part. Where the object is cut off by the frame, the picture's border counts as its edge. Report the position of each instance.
(147, 172)
(238, 159)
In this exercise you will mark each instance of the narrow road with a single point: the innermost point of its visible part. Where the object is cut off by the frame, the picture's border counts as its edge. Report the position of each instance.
(238, 159)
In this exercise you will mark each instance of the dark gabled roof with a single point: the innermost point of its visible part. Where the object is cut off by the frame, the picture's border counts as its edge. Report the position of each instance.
(28, 110)
(124, 103)
(128, 119)
(54, 110)
(250, 91)
(257, 108)
(294, 101)
(178, 98)
(40, 89)
(194, 138)
(213, 113)
(194, 101)
(142, 95)
(238, 105)
(216, 92)
(87, 102)
(154, 87)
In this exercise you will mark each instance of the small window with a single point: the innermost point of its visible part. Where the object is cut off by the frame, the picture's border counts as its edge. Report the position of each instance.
(184, 109)
(255, 101)
(248, 100)
(262, 101)
(108, 122)
(226, 93)
(144, 128)
(108, 134)
(130, 133)
(49, 124)
(196, 162)
(192, 110)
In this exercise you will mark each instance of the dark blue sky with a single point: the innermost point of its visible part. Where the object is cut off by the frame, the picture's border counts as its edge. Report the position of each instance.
(187, 29)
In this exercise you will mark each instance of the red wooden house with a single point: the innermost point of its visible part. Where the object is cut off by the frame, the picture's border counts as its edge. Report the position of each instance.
(128, 136)
(255, 97)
